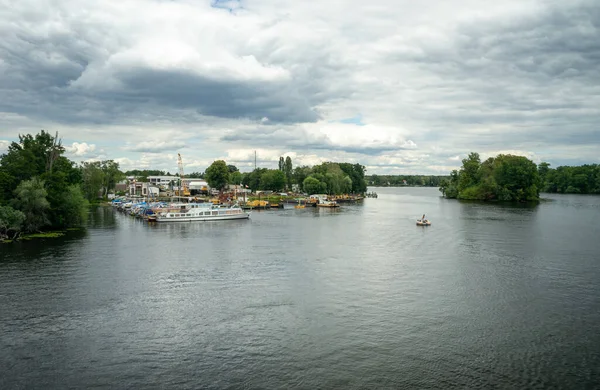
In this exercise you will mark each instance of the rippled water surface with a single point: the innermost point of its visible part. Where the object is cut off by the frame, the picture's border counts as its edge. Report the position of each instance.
(488, 296)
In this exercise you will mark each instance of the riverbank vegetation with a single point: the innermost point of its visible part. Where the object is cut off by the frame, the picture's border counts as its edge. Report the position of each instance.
(405, 180)
(41, 190)
(584, 179)
(326, 178)
(505, 178)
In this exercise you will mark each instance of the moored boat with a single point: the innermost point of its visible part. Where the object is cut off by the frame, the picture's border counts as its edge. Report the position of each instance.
(210, 213)
(327, 203)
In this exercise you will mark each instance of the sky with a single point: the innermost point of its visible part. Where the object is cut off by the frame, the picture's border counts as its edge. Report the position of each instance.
(402, 87)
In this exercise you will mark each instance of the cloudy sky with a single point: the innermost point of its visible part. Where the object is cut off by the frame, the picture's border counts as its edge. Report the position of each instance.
(399, 86)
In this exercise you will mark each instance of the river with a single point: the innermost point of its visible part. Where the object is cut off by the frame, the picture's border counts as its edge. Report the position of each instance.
(489, 296)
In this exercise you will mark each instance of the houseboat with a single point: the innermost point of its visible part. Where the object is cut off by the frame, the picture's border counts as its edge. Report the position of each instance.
(202, 213)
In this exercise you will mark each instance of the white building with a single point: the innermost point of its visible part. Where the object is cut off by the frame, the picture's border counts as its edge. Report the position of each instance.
(197, 185)
(162, 180)
(143, 189)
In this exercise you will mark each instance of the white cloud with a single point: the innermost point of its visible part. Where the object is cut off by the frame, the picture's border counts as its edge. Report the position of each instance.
(4, 146)
(80, 149)
(155, 146)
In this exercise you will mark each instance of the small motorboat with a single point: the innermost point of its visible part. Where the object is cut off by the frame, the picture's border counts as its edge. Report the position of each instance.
(424, 222)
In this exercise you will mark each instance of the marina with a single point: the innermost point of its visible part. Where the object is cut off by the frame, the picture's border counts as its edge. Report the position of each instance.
(225, 206)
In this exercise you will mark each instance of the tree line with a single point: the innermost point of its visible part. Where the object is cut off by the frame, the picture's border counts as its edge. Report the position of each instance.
(404, 180)
(328, 177)
(584, 179)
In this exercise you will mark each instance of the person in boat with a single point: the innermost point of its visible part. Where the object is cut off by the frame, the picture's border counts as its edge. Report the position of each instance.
(423, 218)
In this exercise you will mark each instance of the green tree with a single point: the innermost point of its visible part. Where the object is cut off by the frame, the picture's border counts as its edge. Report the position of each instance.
(543, 170)
(281, 164)
(356, 173)
(273, 180)
(300, 174)
(469, 171)
(146, 173)
(93, 179)
(217, 175)
(30, 198)
(39, 157)
(11, 222)
(232, 168)
(252, 179)
(111, 176)
(518, 176)
(235, 177)
(504, 177)
(194, 175)
(312, 185)
(335, 178)
(32, 156)
(73, 208)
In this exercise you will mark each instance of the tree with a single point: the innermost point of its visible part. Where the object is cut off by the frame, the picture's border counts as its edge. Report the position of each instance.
(93, 179)
(42, 181)
(469, 170)
(232, 168)
(273, 180)
(334, 177)
(217, 175)
(235, 177)
(281, 164)
(31, 156)
(11, 222)
(193, 175)
(301, 173)
(252, 179)
(504, 177)
(356, 173)
(288, 169)
(73, 207)
(30, 198)
(112, 175)
(146, 172)
(312, 185)
(584, 179)
(543, 170)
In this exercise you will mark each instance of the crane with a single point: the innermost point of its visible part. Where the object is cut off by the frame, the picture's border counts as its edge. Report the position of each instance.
(183, 189)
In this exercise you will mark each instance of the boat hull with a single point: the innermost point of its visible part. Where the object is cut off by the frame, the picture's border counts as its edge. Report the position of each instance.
(203, 218)
(419, 223)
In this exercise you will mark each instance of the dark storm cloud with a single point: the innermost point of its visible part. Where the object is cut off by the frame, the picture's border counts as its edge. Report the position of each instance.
(39, 67)
(227, 99)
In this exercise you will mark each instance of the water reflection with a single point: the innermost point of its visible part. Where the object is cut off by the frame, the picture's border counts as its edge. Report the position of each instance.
(360, 297)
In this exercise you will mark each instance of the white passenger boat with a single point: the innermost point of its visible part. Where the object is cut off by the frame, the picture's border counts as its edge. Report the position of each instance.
(204, 212)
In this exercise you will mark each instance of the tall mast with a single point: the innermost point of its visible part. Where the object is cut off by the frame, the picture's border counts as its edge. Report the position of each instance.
(180, 165)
